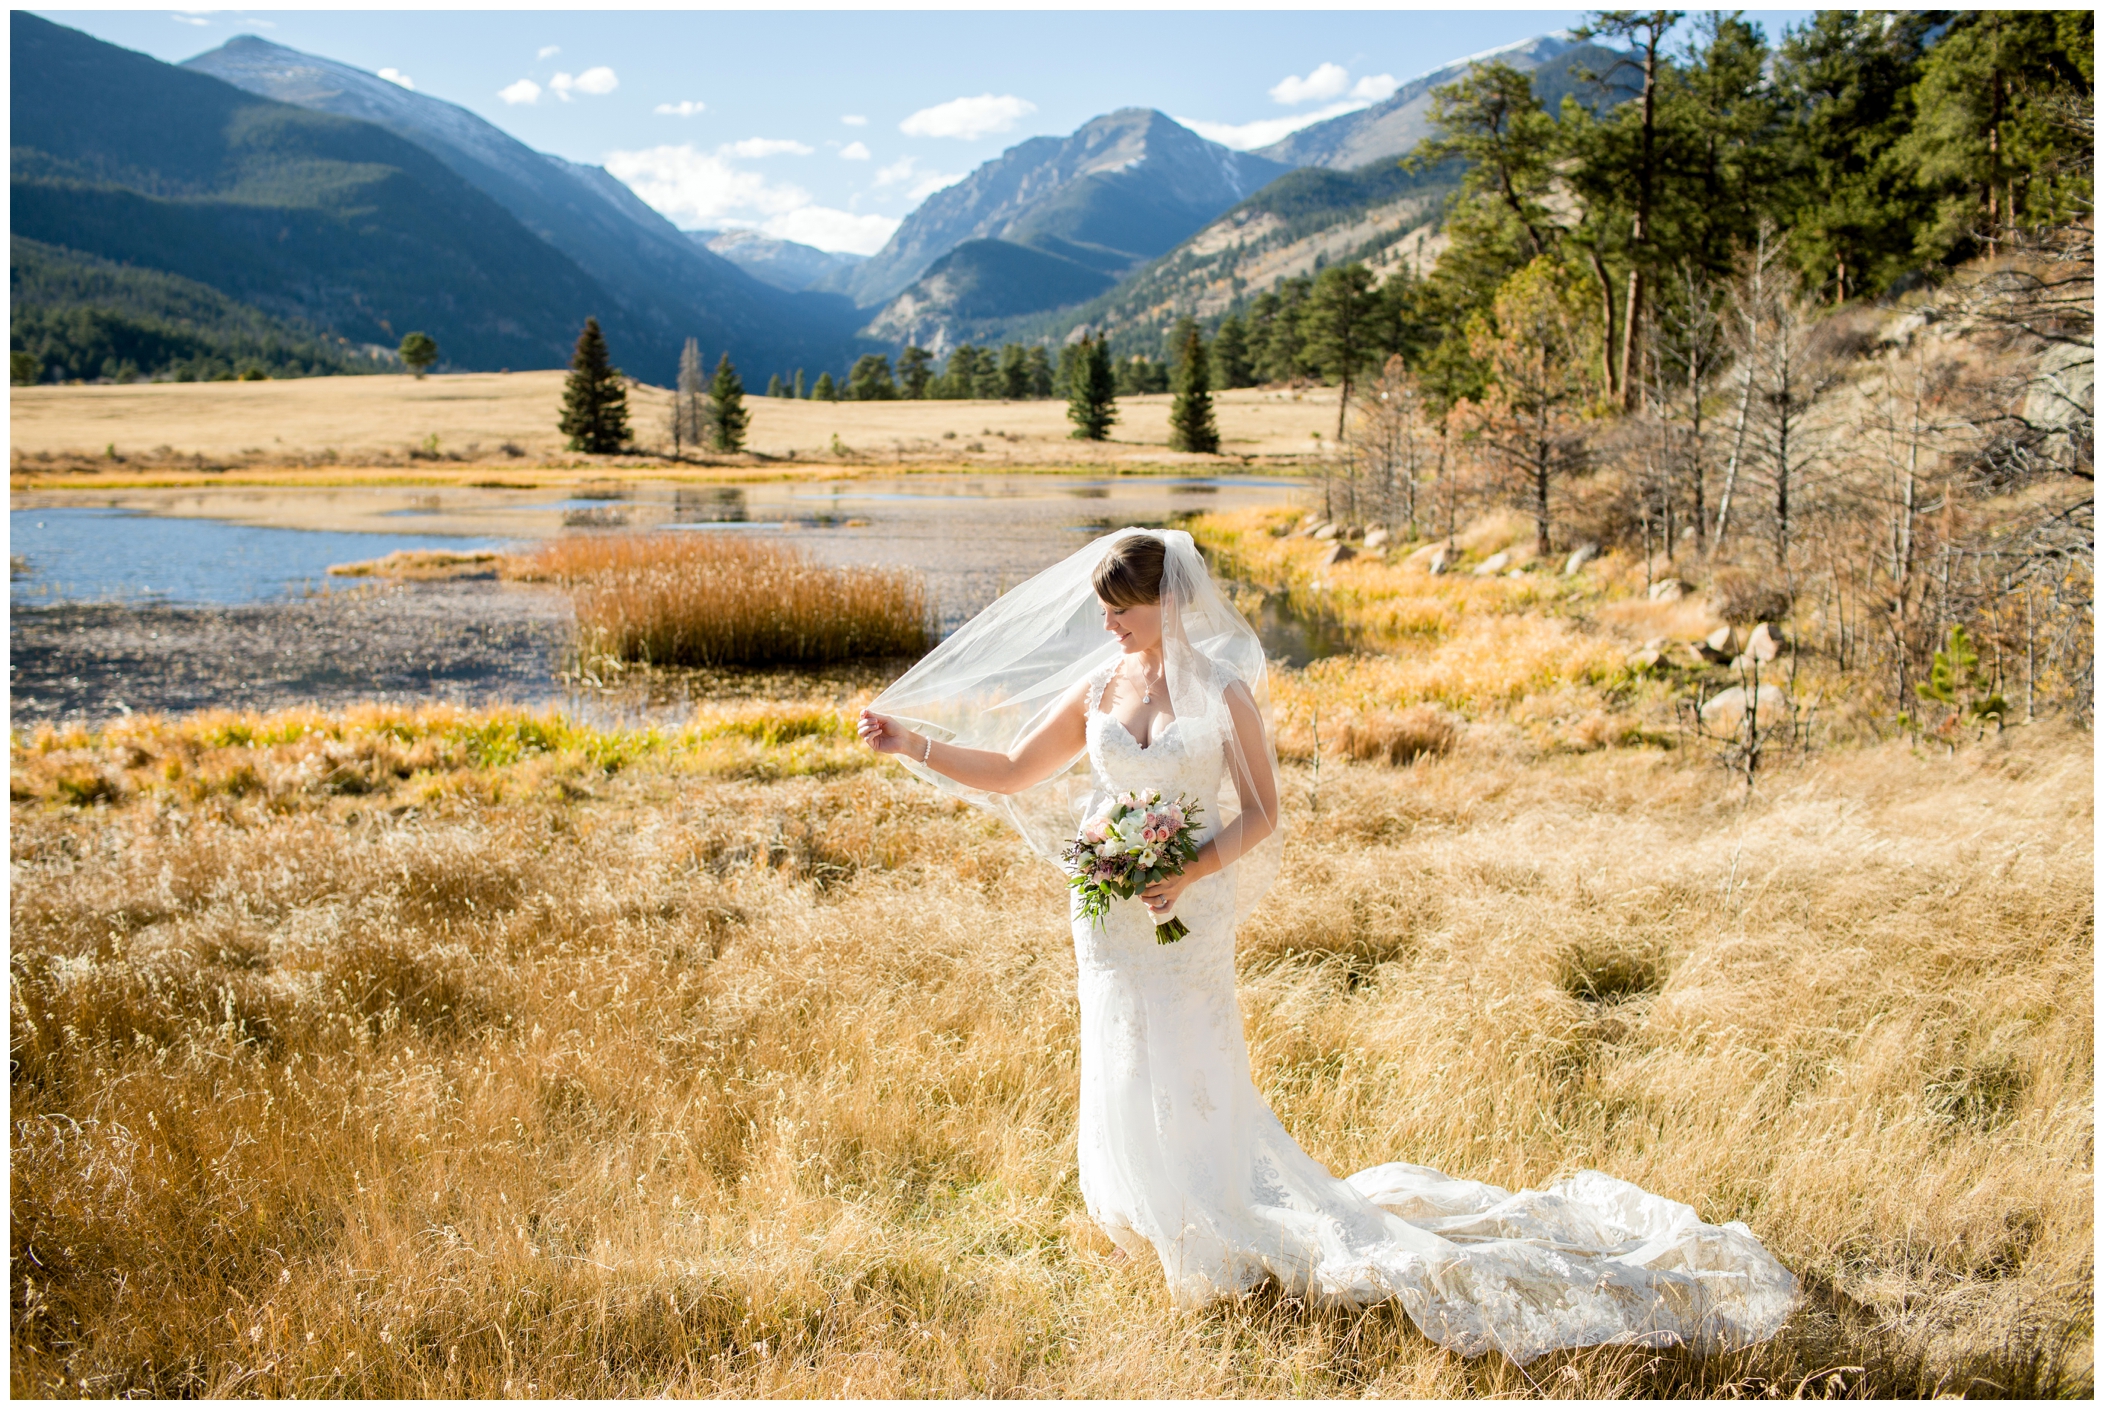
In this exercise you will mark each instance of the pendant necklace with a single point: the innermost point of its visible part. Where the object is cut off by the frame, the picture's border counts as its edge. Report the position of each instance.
(1147, 691)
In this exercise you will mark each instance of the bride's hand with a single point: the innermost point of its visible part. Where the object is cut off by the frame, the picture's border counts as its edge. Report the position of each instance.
(1161, 896)
(881, 732)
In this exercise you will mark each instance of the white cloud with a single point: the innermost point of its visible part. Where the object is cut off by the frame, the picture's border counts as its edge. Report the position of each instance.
(1248, 136)
(398, 78)
(831, 229)
(900, 170)
(702, 189)
(1325, 81)
(854, 152)
(190, 19)
(595, 81)
(524, 91)
(855, 120)
(755, 147)
(549, 51)
(1376, 87)
(686, 107)
(968, 118)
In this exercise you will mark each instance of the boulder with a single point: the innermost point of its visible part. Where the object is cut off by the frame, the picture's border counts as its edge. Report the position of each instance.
(1326, 532)
(1377, 538)
(1583, 554)
(1493, 564)
(1765, 644)
(1438, 563)
(1725, 712)
(1648, 659)
(1719, 641)
(1668, 590)
(1337, 552)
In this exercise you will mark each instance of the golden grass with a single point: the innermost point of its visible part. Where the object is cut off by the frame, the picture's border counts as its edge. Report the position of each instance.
(506, 422)
(569, 1063)
(425, 565)
(715, 599)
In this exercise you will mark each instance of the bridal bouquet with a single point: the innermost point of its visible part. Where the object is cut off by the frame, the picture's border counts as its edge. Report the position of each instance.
(1140, 841)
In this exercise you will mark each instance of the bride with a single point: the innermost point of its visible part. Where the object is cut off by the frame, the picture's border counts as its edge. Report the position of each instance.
(1030, 712)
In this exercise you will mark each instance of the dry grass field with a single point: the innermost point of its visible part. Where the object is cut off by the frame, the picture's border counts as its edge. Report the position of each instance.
(509, 420)
(410, 1054)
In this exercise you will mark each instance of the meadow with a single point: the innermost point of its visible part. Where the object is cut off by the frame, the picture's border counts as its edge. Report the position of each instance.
(508, 420)
(395, 1052)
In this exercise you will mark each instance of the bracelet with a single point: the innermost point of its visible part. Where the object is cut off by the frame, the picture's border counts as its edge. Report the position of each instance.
(930, 749)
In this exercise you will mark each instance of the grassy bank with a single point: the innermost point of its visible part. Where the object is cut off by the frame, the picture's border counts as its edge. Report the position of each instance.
(432, 1053)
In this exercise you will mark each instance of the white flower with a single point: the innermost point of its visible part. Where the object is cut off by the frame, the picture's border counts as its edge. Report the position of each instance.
(1108, 849)
(1147, 857)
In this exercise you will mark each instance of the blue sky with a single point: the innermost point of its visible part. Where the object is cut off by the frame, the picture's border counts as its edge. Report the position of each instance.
(828, 126)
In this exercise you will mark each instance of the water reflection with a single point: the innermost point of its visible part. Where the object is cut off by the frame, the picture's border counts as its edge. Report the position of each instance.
(717, 504)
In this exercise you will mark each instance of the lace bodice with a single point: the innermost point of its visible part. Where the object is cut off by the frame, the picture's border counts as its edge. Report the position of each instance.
(1183, 759)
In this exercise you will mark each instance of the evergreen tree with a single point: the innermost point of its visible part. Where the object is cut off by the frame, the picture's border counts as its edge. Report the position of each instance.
(419, 352)
(727, 413)
(799, 391)
(915, 373)
(1038, 366)
(1337, 325)
(1847, 80)
(986, 377)
(1013, 374)
(774, 386)
(1994, 140)
(1070, 356)
(595, 402)
(1191, 425)
(960, 379)
(1231, 353)
(823, 389)
(1092, 392)
(870, 379)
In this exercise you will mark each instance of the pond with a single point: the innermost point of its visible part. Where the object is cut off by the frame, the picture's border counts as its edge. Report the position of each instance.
(235, 581)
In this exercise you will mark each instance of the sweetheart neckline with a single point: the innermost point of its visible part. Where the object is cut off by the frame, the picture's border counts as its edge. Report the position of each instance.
(1153, 738)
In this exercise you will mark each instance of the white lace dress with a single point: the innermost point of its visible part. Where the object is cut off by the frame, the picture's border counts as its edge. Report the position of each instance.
(1179, 1154)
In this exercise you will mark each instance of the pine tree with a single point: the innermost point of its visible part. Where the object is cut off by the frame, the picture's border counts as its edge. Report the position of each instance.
(1014, 373)
(774, 386)
(727, 413)
(1039, 366)
(595, 402)
(1337, 324)
(823, 389)
(1191, 424)
(1070, 356)
(870, 379)
(1231, 353)
(799, 392)
(1092, 393)
(915, 373)
(418, 351)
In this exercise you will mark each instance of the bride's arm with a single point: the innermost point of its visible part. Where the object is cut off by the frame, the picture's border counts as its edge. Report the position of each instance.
(1043, 753)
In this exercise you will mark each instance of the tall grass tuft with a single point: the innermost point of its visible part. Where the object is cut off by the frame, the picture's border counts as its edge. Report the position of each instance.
(729, 600)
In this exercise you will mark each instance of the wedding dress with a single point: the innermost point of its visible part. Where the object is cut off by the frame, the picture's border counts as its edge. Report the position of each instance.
(1180, 1155)
(1178, 1152)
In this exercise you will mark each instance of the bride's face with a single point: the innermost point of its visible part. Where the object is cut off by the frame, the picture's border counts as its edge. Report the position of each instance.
(1136, 628)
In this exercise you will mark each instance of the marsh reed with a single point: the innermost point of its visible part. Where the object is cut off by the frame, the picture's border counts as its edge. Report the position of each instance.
(723, 599)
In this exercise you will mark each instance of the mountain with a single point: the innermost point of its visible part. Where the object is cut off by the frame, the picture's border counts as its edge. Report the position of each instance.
(782, 263)
(666, 286)
(83, 317)
(1395, 125)
(1301, 223)
(982, 280)
(1123, 188)
(329, 222)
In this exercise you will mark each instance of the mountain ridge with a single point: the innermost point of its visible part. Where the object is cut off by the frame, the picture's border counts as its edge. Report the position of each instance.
(669, 287)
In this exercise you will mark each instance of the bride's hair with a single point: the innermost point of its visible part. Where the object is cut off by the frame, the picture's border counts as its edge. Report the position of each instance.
(1130, 575)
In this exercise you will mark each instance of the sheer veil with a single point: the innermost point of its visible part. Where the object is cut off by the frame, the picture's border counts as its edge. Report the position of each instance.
(1003, 673)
